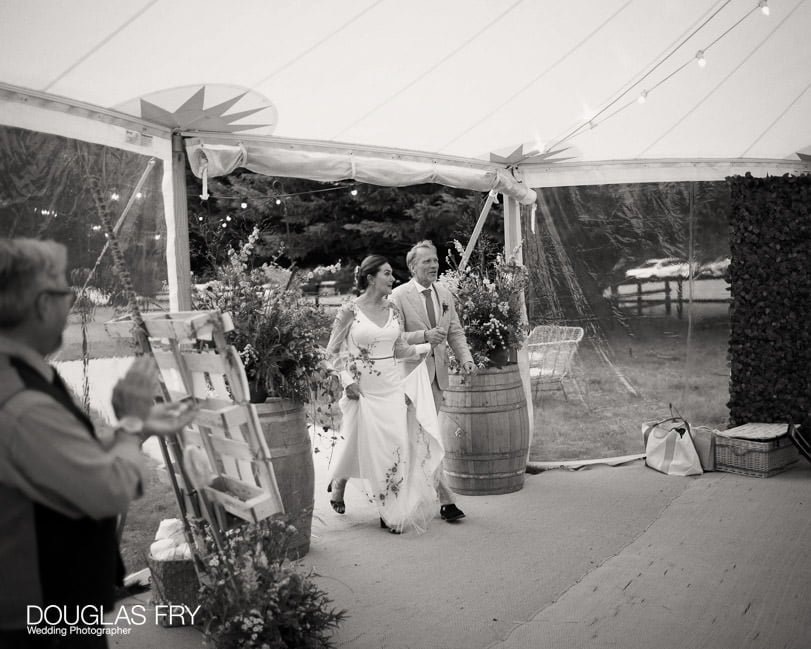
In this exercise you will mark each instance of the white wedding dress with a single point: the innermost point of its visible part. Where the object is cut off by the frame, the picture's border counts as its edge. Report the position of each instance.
(393, 447)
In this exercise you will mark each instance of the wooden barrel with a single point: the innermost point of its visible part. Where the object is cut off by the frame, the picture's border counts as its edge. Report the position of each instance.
(284, 425)
(485, 431)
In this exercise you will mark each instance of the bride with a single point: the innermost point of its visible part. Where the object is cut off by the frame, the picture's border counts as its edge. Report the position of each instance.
(389, 422)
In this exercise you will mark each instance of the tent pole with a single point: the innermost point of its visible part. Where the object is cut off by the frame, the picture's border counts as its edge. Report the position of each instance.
(177, 225)
(477, 230)
(512, 242)
(512, 229)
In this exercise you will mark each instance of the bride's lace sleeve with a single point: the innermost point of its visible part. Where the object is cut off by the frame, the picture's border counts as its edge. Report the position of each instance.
(337, 349)
(402, 349)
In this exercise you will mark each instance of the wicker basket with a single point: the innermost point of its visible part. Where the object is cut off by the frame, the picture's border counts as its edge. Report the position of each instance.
(762, 458)
(174, 582)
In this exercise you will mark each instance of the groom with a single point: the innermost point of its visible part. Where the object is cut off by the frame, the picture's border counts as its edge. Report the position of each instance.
(430, 317)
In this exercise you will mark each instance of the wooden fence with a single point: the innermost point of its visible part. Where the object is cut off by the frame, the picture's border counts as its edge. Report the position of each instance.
(672, 292)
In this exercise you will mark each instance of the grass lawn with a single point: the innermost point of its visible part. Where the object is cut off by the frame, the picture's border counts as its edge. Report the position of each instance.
(144, 516)
(662, 368)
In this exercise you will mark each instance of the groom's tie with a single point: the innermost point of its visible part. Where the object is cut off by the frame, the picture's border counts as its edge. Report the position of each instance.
(429, 307)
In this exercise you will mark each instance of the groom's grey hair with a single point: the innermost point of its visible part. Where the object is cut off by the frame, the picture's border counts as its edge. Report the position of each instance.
(425, 243)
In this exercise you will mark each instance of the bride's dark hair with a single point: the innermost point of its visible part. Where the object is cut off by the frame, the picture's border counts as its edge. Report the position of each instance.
(369, 266)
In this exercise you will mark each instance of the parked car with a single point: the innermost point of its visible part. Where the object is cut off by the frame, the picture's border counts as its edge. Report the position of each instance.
(664, 268)
(717, 268)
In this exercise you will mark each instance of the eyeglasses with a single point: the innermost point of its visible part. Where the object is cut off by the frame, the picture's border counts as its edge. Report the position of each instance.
(63, 292)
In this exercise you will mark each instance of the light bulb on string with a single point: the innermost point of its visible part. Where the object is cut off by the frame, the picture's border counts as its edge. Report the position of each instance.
(199, 218)
(225, 225)
(764, 7)
(228, 218)
(354, 192)
(278, 201)
(114, 196)
(702, 62)
(243, 205)
(643, 97)
(139, 195)
(157, 236)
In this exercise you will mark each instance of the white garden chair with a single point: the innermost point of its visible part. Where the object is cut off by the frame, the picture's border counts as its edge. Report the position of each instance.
(551, 349)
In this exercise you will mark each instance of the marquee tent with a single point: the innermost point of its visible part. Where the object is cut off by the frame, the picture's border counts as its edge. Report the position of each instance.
(484, 94)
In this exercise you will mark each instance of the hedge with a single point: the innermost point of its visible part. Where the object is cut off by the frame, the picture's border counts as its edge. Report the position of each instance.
(770, 285)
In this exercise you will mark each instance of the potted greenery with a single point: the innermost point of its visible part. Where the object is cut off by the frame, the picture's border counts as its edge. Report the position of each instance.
(252, 595)
(489, 301)
(277, 332)
(483, 418)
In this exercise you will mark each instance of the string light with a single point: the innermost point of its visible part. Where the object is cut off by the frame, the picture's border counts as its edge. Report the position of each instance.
(643, 97)
(354, 192)
(228, 218)
(588, 122)
(278, 197)
(114, 196)
(157, 236)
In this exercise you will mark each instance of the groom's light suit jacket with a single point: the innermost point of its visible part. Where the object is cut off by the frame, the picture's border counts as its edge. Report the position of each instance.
(411, 304)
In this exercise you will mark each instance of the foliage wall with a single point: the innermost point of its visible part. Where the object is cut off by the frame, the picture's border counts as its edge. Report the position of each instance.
(770, 275)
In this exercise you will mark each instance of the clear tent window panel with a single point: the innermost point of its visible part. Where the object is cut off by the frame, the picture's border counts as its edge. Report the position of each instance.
(641, 269)
(45, 195)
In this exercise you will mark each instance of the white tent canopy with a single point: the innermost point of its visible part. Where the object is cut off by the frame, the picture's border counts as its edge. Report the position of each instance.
(501, 94)
(457, 78)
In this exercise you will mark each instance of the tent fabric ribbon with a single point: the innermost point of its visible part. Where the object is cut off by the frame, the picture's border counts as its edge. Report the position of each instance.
(269, 159)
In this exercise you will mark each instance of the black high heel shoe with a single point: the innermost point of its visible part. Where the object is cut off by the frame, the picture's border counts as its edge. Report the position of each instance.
(338, 505)
(392, 530)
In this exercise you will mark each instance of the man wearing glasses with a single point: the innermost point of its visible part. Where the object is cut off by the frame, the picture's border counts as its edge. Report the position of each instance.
(61, 488)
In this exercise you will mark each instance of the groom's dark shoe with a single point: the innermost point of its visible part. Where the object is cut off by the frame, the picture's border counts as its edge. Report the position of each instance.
(451, 513)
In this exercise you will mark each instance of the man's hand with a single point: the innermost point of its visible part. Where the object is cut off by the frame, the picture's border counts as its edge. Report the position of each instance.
(468, 367)
(435, 336)
(169, 418)
(134, 395)
(352, 391)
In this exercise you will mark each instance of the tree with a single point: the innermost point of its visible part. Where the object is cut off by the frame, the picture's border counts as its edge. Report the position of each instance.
(315, 223)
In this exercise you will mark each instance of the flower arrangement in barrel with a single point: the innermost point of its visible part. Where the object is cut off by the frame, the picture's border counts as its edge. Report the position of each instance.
(252, 595)
(489, 301)
(277, 332)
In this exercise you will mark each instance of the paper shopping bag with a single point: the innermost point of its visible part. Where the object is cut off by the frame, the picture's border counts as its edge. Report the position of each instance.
(669, 447)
